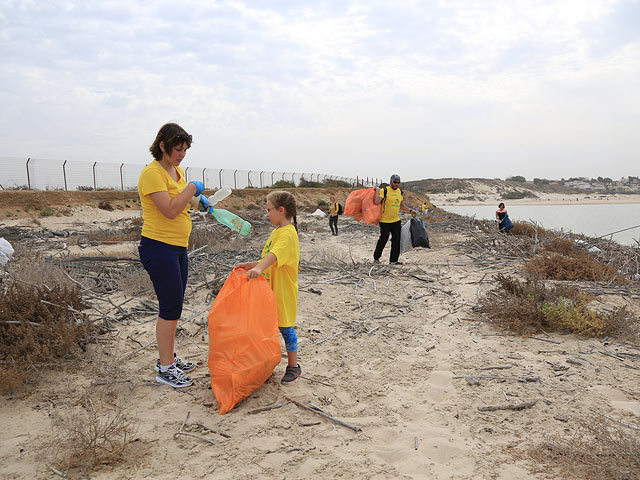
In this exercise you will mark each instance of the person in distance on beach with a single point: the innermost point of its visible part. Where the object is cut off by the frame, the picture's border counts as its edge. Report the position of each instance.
(502, 217)
(333, 215)
(279, 265)
(391, 199)
(164, 195)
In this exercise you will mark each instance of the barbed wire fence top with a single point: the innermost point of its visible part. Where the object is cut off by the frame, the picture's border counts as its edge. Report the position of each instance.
(47, 174)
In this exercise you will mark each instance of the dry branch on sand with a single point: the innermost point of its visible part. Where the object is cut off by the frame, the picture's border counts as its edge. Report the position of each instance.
(595, 450)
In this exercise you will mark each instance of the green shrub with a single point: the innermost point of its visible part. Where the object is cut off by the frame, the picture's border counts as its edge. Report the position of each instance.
(283, 184)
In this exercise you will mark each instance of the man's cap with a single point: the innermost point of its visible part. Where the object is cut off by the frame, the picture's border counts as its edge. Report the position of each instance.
(395, 178)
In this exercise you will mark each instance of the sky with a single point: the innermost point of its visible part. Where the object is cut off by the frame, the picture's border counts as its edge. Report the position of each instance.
(425, 89)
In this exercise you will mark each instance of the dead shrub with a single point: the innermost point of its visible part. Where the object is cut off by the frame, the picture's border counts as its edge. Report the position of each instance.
(578, 266)
(596, 450)
(29, 266)
(135, 281)
(129, 233)
(33, 332)
(529, 307)
(91, 433)
(523, 229)
(563, 246)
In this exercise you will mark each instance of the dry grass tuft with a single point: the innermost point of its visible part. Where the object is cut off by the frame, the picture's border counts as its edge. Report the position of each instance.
(524, 229)
(596, 450)
(33, 332)
(529, 307)
(104, 205)
(561, 245)
(577, 266)
(91, 433)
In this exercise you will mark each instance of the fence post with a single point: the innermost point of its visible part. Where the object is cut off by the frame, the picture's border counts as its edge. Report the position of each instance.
(64, 174)
(95, 186)
(272, 178)
(235, 181)
(261, 179)
(28, 177)
(249, 179)
(220, 177)
(121, 177)
(203, 176)
(186, 174)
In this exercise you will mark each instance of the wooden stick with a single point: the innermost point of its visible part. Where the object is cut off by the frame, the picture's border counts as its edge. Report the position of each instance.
(628, 425)
(195, 436)
(264, 409)
(329, 338)
(519, 406)
(18, 322)
(57, 472)
(545, 340)
(138, 350)
(496, 367)
(322, 414)
(309, 379)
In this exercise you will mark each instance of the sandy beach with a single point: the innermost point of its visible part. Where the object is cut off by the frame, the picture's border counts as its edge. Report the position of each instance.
(387, 349)
(543, 199)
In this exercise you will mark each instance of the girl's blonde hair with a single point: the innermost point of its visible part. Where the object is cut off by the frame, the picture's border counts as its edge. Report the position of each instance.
(284, 199)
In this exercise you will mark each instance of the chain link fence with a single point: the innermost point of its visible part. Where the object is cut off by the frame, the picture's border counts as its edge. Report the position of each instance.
(43, 174)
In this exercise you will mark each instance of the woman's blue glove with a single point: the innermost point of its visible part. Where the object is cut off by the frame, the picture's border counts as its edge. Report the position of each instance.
(203, 204)
(199, 187)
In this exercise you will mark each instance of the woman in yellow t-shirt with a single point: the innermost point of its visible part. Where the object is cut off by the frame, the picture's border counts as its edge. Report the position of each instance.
(279, 265)
(164, 195)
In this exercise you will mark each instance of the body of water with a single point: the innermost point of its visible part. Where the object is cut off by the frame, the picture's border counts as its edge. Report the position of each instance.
(591, 220)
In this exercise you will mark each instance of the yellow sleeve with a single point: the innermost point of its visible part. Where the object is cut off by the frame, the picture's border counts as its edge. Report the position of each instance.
(152, 181)
(283, 248)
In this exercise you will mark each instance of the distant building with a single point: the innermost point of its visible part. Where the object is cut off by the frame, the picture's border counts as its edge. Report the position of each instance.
(580, 185)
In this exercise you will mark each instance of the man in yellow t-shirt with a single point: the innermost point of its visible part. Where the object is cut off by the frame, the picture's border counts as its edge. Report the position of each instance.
(391, 199)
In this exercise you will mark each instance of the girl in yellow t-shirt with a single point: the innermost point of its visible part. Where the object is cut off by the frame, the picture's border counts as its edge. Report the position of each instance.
(279, 265)
(164, 196)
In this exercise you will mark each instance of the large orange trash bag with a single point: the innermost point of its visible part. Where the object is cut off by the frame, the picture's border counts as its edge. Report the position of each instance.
(244, 346)
(360, 206)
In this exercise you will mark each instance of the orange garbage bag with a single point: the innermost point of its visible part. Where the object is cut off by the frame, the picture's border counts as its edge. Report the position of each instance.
(360, 206)
(244, 346)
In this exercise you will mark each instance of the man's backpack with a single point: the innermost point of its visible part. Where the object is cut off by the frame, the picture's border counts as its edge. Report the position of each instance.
(340, 209)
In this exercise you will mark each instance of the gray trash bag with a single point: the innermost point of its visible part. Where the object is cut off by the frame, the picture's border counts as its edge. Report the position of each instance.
(419, 237)
(405, 238)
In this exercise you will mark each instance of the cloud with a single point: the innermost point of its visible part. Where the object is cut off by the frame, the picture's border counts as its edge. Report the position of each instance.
(441, 88)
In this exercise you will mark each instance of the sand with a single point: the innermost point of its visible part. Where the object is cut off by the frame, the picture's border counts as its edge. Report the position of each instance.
(491, 198)
(399, 376)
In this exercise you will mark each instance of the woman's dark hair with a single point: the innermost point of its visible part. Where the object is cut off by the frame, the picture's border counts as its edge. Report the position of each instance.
(284, 199)
(172, 135)
(501, 205)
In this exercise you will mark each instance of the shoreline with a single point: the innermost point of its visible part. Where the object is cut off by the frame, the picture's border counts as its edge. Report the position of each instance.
(442, 200)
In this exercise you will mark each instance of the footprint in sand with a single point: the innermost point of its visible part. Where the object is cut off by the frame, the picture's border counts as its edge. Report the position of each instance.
(439, 386)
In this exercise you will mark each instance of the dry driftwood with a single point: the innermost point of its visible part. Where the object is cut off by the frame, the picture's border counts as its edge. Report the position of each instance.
(511, 406)
(317, 411)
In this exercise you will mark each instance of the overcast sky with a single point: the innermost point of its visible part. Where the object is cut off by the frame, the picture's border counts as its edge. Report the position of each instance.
(426, 89)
